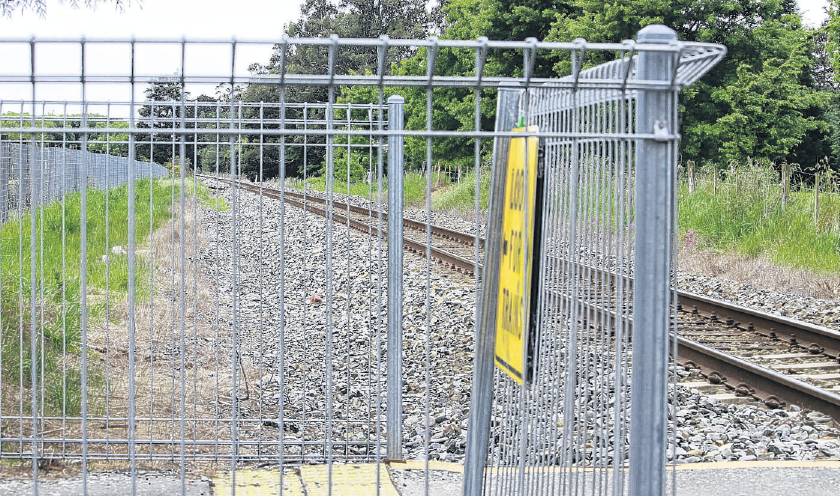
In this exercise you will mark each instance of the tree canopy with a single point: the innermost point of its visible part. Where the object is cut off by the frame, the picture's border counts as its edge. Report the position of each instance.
(774, 97)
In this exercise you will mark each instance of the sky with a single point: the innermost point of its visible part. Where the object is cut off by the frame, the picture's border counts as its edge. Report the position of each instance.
(175, 19)
(224, 19)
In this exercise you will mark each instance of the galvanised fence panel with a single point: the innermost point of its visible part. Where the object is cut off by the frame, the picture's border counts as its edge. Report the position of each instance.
(238, 311)
(57, 173)
(607, 224)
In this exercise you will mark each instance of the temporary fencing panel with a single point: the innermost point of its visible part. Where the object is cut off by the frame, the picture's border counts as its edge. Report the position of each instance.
(606, 221)
(233, 309)
(58, 173)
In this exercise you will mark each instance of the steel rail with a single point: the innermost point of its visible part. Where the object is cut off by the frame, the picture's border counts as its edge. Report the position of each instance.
(745, 378)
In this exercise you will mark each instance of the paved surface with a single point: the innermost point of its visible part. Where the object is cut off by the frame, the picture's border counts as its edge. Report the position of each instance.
(347, 479)
(752, 478)
(780, 478)
(107, 484)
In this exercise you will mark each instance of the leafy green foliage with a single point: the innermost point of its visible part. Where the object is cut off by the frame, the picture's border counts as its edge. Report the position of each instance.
(833, 33)
(765, 107)
(760, 101)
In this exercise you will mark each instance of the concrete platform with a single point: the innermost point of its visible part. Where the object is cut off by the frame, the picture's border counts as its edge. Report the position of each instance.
(759, 478)
(107, 484)
(730, 478)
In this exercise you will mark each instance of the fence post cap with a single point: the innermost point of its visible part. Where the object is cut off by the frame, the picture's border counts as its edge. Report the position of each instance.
(656, 33)
(396, 99)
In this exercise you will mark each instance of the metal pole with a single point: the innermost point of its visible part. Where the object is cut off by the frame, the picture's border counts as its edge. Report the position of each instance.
(395, 277)
(4, 183)
(481, 403)
(651, 293)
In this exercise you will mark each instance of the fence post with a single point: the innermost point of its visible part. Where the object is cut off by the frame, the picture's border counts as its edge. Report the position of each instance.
(715, 173)
(481, 400)
(5, 166)
(395, 277)
(692, 178)
(817, 179)
(652, 287)
(785, 183)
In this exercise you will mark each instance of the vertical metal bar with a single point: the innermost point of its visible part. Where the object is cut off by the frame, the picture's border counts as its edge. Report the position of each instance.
(431, 54)
(83, 159)
(481, 403)
(132, 342)
(395, 277)
(281, 408)
(652, 270)
(33, 369)
(152, 263)
(63, 281)
(182, 262)
(234, 355)
(328, 348)
(107, 249)
(4, 182)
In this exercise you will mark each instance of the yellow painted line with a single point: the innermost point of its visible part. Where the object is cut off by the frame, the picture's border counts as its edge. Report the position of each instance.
(258, 482)
(458, 468)
(347, 479)
(360, 479)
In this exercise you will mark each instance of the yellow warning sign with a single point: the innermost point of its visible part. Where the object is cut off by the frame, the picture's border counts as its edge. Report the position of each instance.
(513, 309)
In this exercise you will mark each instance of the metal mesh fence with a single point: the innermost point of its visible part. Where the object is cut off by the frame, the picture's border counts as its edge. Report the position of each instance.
(566, 429)
(58, 173)
(239, 310)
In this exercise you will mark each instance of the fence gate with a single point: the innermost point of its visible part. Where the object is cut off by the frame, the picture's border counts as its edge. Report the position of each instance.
(595, 345)
(187, 291)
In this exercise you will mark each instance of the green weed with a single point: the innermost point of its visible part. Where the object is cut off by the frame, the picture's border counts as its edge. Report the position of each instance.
(58, 262)
(744, 213)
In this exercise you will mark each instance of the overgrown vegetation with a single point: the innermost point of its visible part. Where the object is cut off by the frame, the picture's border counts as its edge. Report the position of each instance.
(58, 276)
(460, 196)
(743, 212)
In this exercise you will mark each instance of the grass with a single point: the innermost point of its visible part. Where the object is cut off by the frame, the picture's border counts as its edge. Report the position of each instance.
(59, 317)
(745, 216)
(200, 191)
(460, 197)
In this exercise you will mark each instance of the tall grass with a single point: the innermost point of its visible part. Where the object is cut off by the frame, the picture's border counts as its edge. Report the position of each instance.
(460, 196)
(745, 215)
(58, 276)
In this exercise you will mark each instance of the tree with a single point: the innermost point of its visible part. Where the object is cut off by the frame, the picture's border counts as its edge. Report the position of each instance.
(768, 110)
(454, 109)
(322, 18)
(160, 113)
(767, 46)
(9, 7)
(832, 29)
(832, 48)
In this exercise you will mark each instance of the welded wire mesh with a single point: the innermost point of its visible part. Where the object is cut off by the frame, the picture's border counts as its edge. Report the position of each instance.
(57, 173)
(231, 307)
(566, 430)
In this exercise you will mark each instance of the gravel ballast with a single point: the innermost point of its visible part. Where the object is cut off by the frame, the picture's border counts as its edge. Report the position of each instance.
(708, 430)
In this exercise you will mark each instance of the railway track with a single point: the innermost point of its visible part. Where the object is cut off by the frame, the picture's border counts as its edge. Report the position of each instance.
(449, 247)
(742, 353)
